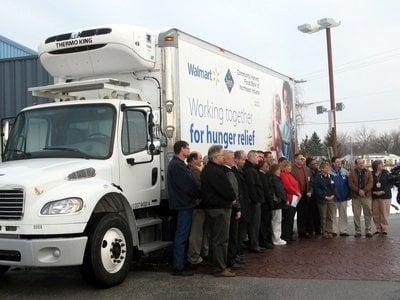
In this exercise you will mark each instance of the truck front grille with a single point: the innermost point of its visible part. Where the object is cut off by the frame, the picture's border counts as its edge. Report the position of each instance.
(11, 204)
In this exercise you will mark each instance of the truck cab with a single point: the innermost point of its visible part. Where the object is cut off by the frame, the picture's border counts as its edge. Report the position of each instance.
(81, 177)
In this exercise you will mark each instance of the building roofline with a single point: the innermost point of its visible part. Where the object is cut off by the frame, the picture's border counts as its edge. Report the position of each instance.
(26, 57)
(17, 45)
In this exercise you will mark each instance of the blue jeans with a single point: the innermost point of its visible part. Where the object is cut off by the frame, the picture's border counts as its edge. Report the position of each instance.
(183, 224)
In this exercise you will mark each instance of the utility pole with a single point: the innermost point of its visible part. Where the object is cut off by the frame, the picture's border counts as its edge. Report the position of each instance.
(331, 90)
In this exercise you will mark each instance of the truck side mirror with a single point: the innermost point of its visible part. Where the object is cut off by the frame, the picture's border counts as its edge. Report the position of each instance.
(5, 126)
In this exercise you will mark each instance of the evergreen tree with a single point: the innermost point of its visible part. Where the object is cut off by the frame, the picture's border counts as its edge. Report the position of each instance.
(316, 146)
(328, 143)
(312, 146)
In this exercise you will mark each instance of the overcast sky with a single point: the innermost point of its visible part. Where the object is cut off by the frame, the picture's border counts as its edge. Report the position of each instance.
(366, 46)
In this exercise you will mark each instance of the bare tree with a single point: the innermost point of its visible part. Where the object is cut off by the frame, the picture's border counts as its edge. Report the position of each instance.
(383, 143)
(364, 140)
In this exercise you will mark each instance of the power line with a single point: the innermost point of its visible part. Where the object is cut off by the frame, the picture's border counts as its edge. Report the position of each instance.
(357, 61)
(338, 71)
(352, 97)
(352, 122)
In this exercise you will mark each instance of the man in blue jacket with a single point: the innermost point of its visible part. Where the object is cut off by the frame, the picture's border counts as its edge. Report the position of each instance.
(340, 176)
(182, 192)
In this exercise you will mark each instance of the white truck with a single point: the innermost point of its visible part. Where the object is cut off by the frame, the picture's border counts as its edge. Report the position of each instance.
(83, 177)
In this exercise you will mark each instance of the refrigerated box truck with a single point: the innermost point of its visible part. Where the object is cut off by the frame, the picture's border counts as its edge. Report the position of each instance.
(83, 177)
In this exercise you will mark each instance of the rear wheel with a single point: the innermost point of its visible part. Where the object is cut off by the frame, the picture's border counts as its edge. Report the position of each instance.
(108, 254)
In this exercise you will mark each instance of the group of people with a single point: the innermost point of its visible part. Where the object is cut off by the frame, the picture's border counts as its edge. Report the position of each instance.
(229, 200)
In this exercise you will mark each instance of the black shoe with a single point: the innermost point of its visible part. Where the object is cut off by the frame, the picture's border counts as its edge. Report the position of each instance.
(357, 235)
(384, 233)
(266, 245)
(257, 250)
(244, 246)
(304, 236)
(236, 266)
(376, 232)
(239, 261)
(344, 234)
(368, 235)
(182, 273)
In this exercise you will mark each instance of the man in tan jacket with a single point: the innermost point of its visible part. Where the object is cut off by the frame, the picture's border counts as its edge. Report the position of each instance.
(360, 183)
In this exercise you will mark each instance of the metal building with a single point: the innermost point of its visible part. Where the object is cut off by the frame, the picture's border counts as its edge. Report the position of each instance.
(9, 49)
(17, 74)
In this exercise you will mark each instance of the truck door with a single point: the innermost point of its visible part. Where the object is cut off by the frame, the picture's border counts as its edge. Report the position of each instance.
(139, 169)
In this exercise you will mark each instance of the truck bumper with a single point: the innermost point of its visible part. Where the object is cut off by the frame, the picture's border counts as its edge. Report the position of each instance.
(53, 252)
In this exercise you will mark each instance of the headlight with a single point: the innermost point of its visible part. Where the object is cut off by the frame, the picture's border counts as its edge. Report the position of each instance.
(61, 207)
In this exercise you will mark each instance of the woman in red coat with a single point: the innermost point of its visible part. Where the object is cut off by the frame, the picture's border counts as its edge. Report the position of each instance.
(292, 190)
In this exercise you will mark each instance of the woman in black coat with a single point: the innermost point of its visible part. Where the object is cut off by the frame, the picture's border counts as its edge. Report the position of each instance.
(381, 197)
(279, 203)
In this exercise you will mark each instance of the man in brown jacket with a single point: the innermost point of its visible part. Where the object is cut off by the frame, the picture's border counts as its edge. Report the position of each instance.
(360, 183)
(304, 216)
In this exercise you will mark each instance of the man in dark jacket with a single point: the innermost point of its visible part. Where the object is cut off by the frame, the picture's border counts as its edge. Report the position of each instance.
(229, 164)
(312, 164)
(240, 159)
(182, 192)
(266, 209)
(256, 197)
(217, 197)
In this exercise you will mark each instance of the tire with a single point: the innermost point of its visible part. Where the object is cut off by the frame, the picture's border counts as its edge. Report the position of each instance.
(108, 254)
(3, 270)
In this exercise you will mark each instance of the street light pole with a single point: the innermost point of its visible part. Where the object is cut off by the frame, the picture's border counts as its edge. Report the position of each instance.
(331, 90)
(327, 23)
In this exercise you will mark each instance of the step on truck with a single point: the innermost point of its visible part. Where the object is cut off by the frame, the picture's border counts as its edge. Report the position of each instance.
(83, 175)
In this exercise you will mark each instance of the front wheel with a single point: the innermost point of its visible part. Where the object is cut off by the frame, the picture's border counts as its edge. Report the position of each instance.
(108, 254)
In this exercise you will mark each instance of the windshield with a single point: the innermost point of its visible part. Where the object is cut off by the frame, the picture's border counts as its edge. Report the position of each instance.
(84, 131)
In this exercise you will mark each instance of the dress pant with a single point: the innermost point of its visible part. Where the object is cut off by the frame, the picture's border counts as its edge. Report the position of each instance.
(276, 225)
(266, 224)
(254, 230)
(380, 213)
(288, 214)
(315, 222)
(198, 238)
(184, 221)
(242, 233)
(327, 211)
(341, 224)
(219, 219)
(304, 217)
(233, 245)
(364, 203)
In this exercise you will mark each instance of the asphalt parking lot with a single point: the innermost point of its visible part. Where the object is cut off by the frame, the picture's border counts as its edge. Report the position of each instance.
(342, 268)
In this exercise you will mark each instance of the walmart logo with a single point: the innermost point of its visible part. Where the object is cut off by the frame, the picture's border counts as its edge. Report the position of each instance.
(203, 73)
(200, 72)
